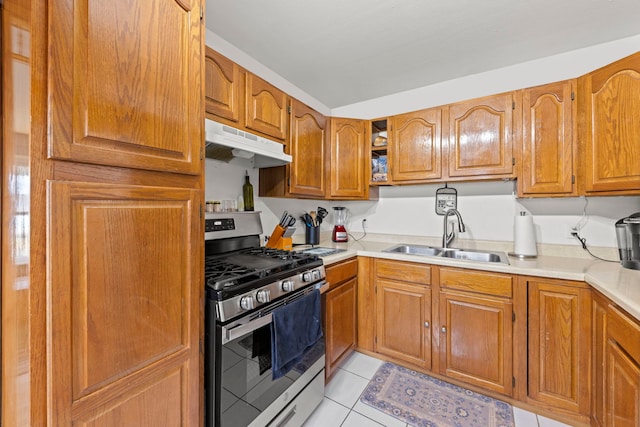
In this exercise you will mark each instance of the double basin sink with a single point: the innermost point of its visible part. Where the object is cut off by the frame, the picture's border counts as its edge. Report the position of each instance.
(450, 253)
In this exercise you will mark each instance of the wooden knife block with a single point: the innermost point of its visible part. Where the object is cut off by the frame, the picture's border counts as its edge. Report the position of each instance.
(285, 243)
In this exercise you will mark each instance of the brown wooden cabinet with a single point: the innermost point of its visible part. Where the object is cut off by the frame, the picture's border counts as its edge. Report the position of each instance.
(109, 98)
(415, 147)
(305, 176)
(222, 87)
(114, 239)
(403, 304)
(348, 174)
(475, 325)
(480, 135)
(265, 108)
(559, 344)
(124, 315)
(307, 146)
(609, 107)
(340, 314)
(616, 391)
(548, 153)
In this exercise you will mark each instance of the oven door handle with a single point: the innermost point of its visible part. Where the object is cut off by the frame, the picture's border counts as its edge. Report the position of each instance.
(238, 331)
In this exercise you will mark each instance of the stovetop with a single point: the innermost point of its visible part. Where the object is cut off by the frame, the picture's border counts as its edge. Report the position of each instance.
(233, 273)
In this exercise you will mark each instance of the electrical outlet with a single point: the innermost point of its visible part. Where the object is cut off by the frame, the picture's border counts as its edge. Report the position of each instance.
(573, 233)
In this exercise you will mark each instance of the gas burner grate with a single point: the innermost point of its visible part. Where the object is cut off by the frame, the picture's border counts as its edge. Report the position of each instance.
(218, 266)
(274, 253)
(239, 269)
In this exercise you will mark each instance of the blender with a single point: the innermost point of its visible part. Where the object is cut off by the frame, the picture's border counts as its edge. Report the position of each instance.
(340, 220)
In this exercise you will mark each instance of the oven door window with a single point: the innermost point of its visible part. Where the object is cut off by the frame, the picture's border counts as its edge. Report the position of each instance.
(247, 386)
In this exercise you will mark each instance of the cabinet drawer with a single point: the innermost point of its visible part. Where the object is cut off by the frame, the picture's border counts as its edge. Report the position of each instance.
(338, 273)
(404, 271)
(625, 331)
(476, 281)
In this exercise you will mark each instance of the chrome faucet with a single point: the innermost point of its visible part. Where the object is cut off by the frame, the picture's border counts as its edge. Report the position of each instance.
(447, 237)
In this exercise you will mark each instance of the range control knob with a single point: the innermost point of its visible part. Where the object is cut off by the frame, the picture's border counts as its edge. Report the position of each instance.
(246, 302)
(316, 274)
(287, 285)
(307, 276)
(263, 295)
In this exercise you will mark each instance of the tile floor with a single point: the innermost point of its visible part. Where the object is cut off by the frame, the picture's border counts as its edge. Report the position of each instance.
(341, 406)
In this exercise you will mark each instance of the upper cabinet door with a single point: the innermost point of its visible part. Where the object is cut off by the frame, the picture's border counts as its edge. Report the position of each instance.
(480, 137)
(222, 86)
(307, 147)
(416, 146)
(610, 111)
(125, 83)
(548, 114)
(348, 174)
(266, 108)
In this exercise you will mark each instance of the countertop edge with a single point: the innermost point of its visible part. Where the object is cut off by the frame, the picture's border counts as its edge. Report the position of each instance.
(620, 285)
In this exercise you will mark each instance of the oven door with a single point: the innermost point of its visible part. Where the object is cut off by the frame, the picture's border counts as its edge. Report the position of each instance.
(240, 390)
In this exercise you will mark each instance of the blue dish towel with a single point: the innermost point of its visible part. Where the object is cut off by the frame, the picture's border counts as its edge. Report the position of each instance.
(295, 327)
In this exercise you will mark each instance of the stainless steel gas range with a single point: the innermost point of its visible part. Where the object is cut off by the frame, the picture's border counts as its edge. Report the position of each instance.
(251, 294)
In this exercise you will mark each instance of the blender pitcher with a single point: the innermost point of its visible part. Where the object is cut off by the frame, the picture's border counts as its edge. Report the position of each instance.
(339, 234)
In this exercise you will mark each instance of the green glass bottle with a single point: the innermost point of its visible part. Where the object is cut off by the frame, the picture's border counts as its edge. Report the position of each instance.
(247, 193)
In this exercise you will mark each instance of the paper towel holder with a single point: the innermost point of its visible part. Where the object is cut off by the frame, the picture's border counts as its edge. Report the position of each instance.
(521, 256)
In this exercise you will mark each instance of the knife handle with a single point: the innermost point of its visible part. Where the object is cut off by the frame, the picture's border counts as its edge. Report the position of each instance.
(275, 236)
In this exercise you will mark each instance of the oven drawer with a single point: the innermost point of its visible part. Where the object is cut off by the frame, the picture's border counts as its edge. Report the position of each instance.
(300, 408)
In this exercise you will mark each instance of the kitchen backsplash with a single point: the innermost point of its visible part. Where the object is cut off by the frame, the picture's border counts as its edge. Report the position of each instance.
(487, 208)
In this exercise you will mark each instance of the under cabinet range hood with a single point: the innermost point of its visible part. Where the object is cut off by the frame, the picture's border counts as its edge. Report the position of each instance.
(231, 145)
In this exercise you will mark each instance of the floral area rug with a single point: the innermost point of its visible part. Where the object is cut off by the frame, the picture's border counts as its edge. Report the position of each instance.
(424, 401)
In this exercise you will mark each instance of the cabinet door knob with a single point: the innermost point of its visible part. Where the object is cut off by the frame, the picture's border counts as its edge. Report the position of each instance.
(444, 329)
(426, 324)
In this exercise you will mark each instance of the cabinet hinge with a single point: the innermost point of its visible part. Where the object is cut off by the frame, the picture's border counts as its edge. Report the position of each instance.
(573, 179)
(375, 289)
(200, 211)
(513, 161)
(513, 381)
(201, 153)
(513, 105)
(573, 95)
(289, 109)
(201, 12)
(375, 340)
(513, 316)
(289, 182)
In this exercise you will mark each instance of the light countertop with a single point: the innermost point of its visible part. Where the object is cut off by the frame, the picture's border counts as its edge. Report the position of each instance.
(619, 284)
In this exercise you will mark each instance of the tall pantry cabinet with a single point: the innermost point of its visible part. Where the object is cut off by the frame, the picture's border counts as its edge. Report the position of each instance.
(114, 245)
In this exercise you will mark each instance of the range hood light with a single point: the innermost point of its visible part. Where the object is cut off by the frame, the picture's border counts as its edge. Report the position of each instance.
(242, 153)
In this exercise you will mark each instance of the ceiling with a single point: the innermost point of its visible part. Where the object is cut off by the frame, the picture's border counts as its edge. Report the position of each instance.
(345, 51)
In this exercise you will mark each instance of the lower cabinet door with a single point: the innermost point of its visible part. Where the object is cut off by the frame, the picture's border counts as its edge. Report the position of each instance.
(622, 395)
(559, 345)
(623, 388)
(123, 311)
(404, 322)
(340, 326)
(476, 340)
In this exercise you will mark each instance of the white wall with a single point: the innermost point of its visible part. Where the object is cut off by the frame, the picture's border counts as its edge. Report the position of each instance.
(532, 73)
(487, 208)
